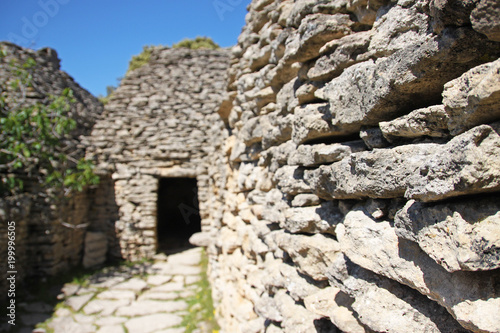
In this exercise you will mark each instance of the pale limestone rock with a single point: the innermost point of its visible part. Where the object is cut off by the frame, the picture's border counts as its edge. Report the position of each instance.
(117, 294)
(77, 302)
(312, 155)
(290, 180)
(373, 91)
(312, 254)
(68, 325)
(373, 137)
(469, 296)
(462, 235)
(340, 54)
(111, 329)
(431, 121)
(450, 13)
(159, 296)
(473, 166)
(104, 307)
(168, 287)
(267, 308)
(303, 200)
(313, 219)
(134, 284)
(426, 172)
(325, 303)
(313, 121)
(314, 31)
(108, 321)
(384, 305)
(152, 323)
(296, 319)
(201, 239)
(381, 173)
(399, 28)
(473, 98)
(484, 19)
(147, 307)
(279, 275)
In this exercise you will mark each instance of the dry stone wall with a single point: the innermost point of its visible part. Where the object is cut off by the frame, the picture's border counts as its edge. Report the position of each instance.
(161, 122)
(358, 187)
(50, 226)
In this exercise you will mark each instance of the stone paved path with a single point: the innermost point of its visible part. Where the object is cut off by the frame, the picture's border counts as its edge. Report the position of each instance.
(144, 298)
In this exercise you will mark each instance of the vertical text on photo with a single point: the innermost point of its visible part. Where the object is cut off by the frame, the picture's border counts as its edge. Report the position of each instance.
(11, 272)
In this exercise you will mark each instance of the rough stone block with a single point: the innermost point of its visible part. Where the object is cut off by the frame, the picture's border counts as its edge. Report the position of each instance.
(461, 235)
(473, 98)
(471, 297)
(314, 219)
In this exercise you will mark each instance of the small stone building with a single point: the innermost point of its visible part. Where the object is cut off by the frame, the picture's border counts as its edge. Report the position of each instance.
(151, 147)
(50, 226)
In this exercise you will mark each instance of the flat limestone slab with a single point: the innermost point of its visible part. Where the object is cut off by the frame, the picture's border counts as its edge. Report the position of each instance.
(117, 294)
(77, 302)
(164, 296)
(111, 329)
(68, 325)
(169, 287)
(152, 323)
(133, 284)
(104, 307)
(146, 307)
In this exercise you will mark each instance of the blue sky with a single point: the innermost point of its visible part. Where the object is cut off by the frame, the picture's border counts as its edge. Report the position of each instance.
(95, 39)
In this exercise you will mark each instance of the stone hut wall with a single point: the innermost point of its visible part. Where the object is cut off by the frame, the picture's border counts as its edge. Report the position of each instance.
(50, 227)
(358, 187)
(158, 123)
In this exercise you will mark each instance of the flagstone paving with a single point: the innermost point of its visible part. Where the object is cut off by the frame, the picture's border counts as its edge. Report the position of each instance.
(144, 298)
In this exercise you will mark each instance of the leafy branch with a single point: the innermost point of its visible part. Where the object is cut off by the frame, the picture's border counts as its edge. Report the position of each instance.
(35, 138)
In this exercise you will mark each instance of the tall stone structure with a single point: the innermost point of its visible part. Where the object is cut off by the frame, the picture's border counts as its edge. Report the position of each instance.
(345, 166)
(358, 188)
(49, 225)
(161, 123)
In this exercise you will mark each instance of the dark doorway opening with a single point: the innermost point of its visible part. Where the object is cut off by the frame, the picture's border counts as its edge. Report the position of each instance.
(178, 215)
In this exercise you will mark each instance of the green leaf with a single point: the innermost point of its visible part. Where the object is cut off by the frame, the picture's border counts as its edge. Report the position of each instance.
(26, 152)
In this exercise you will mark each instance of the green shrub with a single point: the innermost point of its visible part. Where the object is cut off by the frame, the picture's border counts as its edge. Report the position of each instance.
(141, 59)
(197, 43)
(31, 136)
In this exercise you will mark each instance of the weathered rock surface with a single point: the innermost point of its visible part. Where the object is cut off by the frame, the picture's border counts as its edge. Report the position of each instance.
(312, 255)
(381, 173)
(472, 168)
(473, 98)
(462, 235)
(484, 19)
(312, 155)
(375, 246)
(336, 305)
(431, 121)
(416, 82)
(408, 68)
(426, 172)
(387, 306)
(313, 219)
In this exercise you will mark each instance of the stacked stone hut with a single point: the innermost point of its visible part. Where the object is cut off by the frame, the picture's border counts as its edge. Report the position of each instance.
(152, 145)
(344, 160)
(49, 226)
